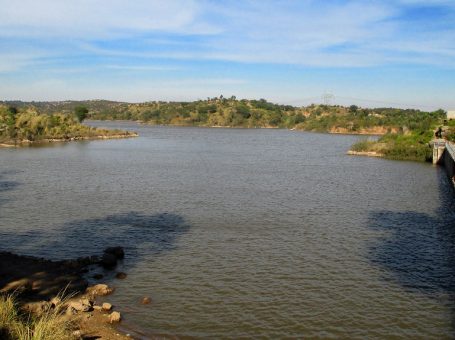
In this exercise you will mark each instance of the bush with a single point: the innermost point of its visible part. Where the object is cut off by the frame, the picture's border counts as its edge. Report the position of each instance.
(81, 113)
(363, 145)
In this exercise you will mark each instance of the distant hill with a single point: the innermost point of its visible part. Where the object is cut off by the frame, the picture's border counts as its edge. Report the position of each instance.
(406, 132)
(231, 112)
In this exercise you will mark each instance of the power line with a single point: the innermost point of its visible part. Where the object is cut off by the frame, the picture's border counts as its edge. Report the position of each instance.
(384, 102)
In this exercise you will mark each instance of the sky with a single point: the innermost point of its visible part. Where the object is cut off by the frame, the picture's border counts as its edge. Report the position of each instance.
(370, 53)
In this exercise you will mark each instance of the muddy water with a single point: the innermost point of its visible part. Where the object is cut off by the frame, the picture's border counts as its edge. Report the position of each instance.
(244, 233)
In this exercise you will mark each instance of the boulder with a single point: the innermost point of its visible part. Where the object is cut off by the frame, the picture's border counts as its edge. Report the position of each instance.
(22, 286)
(87, 302)
(108, 260)
(55, 301)
(106, 306)
(94, 259)
(116, 251)
(83, 261)
(77, 334)
(79, 306)
(100, 289)
(114, 317)
(120, 275)
(37, 308)
(70, 311)
(146, 300)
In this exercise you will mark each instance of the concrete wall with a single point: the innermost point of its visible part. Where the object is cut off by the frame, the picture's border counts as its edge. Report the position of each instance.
(449, 160)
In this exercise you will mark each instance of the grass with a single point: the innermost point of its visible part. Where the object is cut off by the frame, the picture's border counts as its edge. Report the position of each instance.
(363, 145)
(411, 147)
(15, 324)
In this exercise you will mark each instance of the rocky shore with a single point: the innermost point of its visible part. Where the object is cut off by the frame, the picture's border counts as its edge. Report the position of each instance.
(40, 285)
(27, 142)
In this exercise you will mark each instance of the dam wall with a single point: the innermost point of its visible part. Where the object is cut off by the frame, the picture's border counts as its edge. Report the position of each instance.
(448, 160)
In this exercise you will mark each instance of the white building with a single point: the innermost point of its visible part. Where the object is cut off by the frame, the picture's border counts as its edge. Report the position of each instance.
(451, 114)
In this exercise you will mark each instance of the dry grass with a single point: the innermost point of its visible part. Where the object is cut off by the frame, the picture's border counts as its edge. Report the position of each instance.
(15, 324)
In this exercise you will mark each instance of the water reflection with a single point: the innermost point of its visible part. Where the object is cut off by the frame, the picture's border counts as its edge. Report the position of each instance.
(418, 250)
(138, 233)
(6, 185)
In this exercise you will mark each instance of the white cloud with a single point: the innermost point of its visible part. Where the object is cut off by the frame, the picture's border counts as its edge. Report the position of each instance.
(313, 33)
(98, 18)
(130, 50)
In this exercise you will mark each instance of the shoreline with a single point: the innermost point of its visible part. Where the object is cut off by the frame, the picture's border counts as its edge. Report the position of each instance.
(26, 142)
(330, 132)
(38, 285)
(364, 153)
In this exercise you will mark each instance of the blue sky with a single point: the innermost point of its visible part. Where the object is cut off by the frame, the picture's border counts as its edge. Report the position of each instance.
(370, 53)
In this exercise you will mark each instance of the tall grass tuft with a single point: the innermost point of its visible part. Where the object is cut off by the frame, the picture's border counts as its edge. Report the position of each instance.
(15, 324)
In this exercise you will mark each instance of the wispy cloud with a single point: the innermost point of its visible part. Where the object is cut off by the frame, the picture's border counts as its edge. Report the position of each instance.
(141, 68)
(203, 39)
(99, 18)
(303, 33)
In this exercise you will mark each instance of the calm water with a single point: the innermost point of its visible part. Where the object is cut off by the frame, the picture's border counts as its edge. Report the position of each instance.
(244, 233)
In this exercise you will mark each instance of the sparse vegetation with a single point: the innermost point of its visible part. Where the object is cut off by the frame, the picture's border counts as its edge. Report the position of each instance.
(16, 324)
(27, 125)
(232, 112)
(406, 131)
(411, 146)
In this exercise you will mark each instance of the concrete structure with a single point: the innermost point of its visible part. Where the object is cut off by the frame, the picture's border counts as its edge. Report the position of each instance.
(446, 157)
(439, 147)
(451, 114)
(449, 161)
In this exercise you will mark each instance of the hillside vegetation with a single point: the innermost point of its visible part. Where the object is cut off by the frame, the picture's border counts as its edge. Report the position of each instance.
(405, 132)
(27, 125)
(231, 112)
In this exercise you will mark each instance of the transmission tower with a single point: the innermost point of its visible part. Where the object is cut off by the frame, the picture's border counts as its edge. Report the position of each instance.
(327, 98)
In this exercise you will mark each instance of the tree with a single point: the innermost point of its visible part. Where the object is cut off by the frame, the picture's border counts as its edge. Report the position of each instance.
(353, 108)
(243, 110)
(81, 113)
(12, 110)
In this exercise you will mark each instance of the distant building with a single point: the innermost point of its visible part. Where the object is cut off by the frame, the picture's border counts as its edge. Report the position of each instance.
(451, 114)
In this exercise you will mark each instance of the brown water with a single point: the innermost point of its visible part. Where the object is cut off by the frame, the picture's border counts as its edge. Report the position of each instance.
(244, 233)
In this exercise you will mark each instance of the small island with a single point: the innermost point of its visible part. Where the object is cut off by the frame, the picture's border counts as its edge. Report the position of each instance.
(26, 126)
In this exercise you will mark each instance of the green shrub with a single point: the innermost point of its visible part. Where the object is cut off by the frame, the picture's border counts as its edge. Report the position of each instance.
(363, 145)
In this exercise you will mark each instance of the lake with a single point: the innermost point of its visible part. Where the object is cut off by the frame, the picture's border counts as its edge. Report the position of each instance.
(240, 233)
